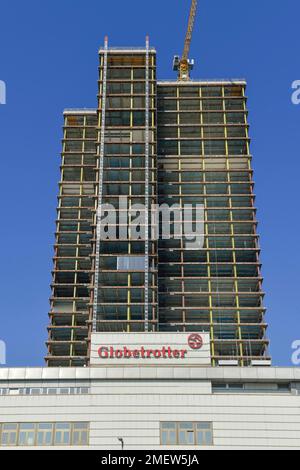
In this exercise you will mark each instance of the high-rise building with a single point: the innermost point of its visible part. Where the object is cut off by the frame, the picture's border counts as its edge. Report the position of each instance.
(149, 143)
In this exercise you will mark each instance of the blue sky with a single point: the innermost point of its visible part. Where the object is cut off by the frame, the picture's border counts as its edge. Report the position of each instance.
(48, 59)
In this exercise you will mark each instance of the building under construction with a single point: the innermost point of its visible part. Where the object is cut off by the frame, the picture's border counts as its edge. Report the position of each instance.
(152, 142)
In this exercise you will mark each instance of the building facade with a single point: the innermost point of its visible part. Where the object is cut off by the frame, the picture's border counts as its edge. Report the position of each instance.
(150, 408)
(163, 143)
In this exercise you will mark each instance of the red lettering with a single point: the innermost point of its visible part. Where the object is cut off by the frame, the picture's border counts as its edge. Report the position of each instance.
(127, 353)
(103, 353)
(164, 352)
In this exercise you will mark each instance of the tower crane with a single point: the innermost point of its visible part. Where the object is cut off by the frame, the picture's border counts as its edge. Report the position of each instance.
(184, 65)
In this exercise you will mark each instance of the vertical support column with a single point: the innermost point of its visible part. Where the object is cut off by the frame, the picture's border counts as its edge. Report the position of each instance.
(147, 190)
(100, 147)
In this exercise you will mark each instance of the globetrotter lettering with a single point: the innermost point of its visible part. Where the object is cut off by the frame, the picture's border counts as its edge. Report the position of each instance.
(166, 352)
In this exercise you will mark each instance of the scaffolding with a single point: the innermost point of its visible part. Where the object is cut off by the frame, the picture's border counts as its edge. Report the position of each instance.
(204, 158)
(69, 302)
(149, 142)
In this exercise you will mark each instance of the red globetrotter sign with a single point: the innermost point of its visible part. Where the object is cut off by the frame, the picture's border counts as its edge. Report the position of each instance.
(195, 341)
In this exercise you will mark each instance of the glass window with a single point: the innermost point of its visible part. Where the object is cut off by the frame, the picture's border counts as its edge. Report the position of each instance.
(191, 147)
(192, 91)
(131, 263)
(215, 131)
(9, 434)
(235, 118)
(27, 434)
(214, 147)
(139, 102)
(139, 118)
(213, 118)
(236, 131)
(80, 434)
(211, 91)
(166, 91)
(44, 434)
(168, 118)
(204, 434)
(168, 434)
(168, 147)
(190, 118)
(118, 102)
(139, 74)
(139, 88)
(167, 132)
(189, 105)
(167, 105)
(237, 147)
(212, 104)
(119, 88)
(116, 74)
(193, 132)
(35, 391)
(62, 434)
(118, 118)
(234, 104)
(186, 434)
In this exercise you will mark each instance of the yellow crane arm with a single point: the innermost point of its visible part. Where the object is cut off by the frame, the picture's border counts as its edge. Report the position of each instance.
(188, 37)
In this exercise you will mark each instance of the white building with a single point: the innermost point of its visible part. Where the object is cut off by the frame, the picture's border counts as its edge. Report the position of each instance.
(150, 405)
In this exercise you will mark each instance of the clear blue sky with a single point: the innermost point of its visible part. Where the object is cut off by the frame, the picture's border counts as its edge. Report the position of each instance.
(48, 59)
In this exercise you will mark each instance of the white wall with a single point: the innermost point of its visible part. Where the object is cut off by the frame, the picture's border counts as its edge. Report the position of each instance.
(133, 409)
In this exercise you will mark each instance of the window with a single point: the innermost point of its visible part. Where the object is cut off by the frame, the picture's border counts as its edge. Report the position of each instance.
(168, 434)
(9, 434)
(186, 433)
(62, 435)
(119, 89)
(251, 388)
(214, 147)
(204, 434)
(80, 434)
(118, 118)
(131, 263)
(26, 434)
(43, 434)
(191, 147)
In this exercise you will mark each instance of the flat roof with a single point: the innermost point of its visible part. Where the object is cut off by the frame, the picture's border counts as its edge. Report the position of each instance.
(80, 111)
(204, 81)
(127, 50)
